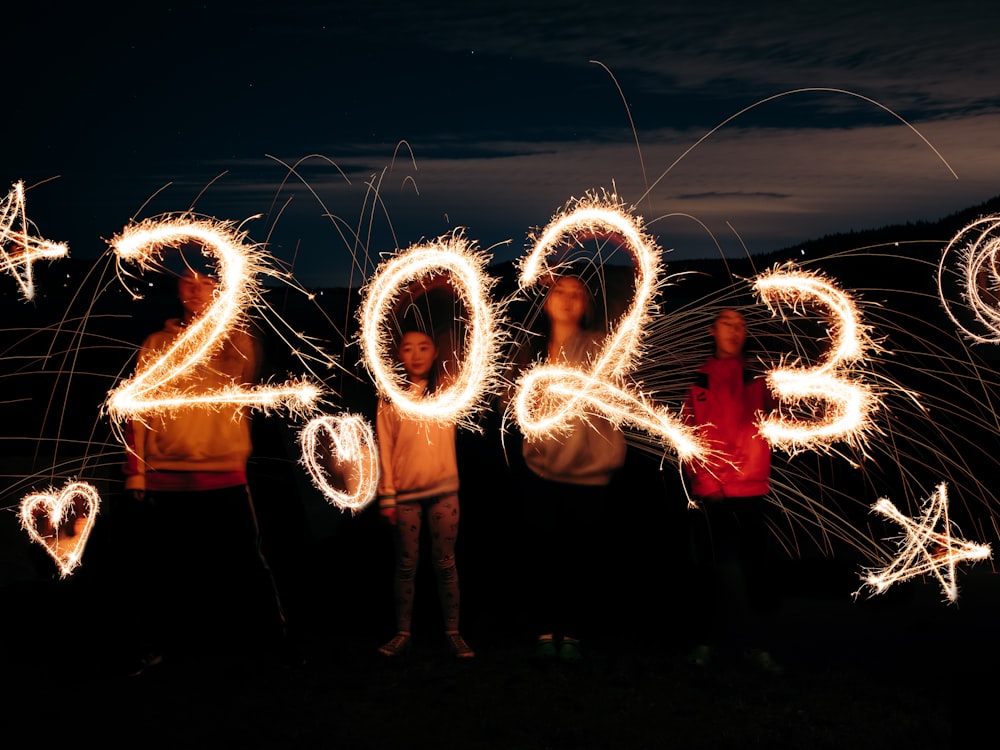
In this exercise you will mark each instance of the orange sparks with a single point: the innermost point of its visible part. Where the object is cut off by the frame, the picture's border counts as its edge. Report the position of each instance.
(547, 395)
(61, 522)
(155, 387)
(840, 400)
(26, 249)
(341, 457)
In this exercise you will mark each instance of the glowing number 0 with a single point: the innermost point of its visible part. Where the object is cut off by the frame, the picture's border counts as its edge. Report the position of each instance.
(849, 401)
(464, 265)
(547, 395)
(149, 390)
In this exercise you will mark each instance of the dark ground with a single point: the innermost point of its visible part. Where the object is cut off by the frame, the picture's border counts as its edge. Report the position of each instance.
(901, 670)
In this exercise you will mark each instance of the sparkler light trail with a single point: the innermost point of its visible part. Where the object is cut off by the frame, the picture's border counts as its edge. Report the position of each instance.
(458, 259)
(923, 551)
(26, 249)
(839, 401)
(341, 450)
(61, 523)
(547, 396)
(154, 387)
(977, 246)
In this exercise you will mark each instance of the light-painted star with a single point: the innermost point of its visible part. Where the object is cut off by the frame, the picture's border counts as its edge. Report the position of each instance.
(924, 551)
(24, 249)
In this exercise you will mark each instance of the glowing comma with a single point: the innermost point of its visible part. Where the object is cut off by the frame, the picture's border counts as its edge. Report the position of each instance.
(548, 395)
(455, 257)
(341, 458)
(153, 387)
(27, 249)
(842, 404)
(61, 523)
(924, 551)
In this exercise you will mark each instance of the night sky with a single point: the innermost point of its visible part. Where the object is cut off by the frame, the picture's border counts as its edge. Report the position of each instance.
(409, 120)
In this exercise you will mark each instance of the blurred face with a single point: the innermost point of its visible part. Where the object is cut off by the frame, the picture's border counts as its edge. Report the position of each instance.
(567, 302)
(418, 354)
(730, 333)
(196, 292)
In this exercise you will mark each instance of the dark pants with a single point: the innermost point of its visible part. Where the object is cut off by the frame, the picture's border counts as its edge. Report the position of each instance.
(198, 585)
(732, 575)
(563, 522)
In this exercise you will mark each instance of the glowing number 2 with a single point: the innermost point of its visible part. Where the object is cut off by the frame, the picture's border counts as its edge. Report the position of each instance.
(848, 401)
(150, 389)
(547, 395)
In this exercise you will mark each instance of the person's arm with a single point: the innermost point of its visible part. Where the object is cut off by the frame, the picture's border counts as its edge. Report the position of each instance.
(136, 433)
(386, 441)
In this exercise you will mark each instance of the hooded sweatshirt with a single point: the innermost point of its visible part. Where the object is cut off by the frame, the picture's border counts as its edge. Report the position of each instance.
(590, 449)
(726, 402)
(196, 447)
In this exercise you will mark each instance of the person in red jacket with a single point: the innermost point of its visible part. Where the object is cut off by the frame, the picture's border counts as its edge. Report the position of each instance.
(728, 525)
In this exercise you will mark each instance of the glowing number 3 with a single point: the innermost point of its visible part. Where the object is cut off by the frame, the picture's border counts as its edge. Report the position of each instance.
(547, 395)
(150, 389)
(848, 401)
(456, 257)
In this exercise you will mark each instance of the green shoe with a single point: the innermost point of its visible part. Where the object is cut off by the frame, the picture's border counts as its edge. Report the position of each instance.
(764, 662)
(569, 651)
(701, 656)
(545, 649)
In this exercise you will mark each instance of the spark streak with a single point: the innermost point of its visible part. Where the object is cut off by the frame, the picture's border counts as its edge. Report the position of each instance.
(348, 457)
(154, 388)
(841, 402)
(46, 515)
(28, 249)
(923, 551)
(548, 396)
(455, 257)
(978, 245)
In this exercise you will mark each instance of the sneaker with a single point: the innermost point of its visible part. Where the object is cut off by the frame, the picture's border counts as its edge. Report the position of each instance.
(764, 661)
(147, 663)
(459, 648)
(569, 651)
(701, 656)
(398, 646)
(545, 649)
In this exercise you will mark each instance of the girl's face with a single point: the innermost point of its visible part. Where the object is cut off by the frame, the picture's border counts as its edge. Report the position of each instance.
(567, 301)
(418, 354)
(196, 292)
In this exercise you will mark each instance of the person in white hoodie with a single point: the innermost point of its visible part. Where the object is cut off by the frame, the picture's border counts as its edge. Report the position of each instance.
(567, 483)
(419, 479)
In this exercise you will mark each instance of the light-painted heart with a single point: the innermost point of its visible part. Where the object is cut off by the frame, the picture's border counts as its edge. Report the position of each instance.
(341, 456)
(62, 522)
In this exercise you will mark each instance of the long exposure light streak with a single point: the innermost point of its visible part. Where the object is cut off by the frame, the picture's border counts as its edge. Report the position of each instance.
(547, 396)
(341, 457)
(478, 373)
(61, 522)
(839, 400)
(977, 246)
(153, 388)
(924, 551)
(26, 249)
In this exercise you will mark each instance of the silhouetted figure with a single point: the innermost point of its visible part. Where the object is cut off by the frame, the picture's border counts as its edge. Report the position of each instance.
(205, 592)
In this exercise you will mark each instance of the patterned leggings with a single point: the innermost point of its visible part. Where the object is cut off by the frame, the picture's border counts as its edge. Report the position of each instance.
(442, 516)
